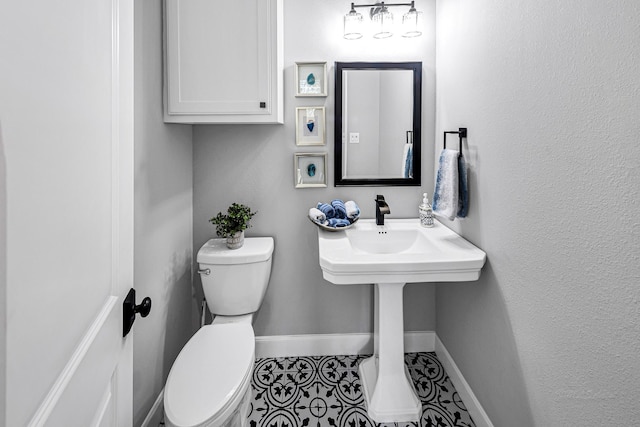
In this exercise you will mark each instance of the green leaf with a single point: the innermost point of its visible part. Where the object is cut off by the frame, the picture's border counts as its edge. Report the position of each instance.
(236, 219)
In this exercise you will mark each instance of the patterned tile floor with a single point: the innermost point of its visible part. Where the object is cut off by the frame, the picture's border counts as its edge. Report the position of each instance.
(324, 391)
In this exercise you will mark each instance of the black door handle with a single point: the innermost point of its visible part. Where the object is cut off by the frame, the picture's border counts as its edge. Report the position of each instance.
(129, 310)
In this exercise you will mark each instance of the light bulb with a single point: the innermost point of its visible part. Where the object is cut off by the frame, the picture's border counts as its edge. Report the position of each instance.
(383, 23)
(352, 25)
(412, 23)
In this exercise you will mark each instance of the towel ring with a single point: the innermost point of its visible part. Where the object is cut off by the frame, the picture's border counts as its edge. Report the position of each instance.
(462, 133)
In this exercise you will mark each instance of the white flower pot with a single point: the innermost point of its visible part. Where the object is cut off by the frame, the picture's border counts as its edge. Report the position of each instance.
(236, 241)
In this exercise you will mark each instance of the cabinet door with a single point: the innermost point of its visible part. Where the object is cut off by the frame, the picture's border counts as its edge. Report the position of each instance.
(223, 61)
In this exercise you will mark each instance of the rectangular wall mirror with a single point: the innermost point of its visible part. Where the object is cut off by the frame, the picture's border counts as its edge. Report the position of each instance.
(378, 123)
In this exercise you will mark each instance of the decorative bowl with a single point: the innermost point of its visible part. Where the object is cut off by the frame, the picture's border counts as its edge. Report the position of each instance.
(326, 227)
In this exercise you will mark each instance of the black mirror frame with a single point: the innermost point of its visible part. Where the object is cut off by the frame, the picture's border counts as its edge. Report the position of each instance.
(416, 67)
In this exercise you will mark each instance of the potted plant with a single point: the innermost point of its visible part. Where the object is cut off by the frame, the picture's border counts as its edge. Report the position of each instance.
(232, 224)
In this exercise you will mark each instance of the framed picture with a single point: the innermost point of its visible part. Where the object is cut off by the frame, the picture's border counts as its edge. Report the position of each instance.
(310, 126)
(311, 79)
(310, 170)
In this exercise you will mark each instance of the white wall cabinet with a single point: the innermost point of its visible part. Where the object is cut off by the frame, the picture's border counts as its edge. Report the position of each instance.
(223, 61)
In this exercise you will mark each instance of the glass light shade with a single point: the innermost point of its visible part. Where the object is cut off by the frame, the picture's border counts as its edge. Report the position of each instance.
(412, 23)
(383, 24)
(353, 25)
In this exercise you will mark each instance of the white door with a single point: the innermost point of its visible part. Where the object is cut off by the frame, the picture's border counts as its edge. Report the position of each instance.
(66, 136)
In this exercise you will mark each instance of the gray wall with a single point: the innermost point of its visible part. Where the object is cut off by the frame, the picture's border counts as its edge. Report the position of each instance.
(550, 92)
(254, 165)
(163, 220)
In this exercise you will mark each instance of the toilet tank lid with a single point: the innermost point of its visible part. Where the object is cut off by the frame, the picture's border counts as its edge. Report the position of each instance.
(255, 249)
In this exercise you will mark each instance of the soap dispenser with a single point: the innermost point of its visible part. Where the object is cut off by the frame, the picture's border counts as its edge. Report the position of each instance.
(426, 213)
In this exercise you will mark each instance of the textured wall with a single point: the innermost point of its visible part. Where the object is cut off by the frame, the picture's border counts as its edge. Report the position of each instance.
(550, 92)
(163, 220)
(254, 165)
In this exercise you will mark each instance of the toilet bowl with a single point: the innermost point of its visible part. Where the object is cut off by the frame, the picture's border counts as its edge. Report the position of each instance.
(211, 377)
(209, 382)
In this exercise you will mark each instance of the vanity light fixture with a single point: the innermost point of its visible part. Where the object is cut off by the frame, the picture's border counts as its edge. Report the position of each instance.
(382, 21)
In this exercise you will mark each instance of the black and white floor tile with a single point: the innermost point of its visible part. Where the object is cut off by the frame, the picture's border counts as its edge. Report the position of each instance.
(326, 391)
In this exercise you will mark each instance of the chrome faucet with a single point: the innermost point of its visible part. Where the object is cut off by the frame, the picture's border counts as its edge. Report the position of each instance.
(382, 208)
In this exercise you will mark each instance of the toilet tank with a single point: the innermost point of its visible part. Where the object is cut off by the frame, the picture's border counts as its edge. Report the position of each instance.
(234, 281)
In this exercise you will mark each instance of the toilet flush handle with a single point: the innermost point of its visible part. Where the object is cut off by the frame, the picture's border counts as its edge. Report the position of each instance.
(205, 271)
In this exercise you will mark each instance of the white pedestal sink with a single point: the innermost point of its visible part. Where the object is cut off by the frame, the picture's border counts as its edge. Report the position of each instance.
(390, 256)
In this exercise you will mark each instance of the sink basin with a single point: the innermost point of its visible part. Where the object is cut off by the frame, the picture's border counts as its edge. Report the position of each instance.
(399, 251)
(389, 256)
(386, 242)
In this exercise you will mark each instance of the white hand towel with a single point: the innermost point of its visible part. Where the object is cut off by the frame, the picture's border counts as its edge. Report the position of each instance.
(317, 216)
(445, 197)
(353, 211)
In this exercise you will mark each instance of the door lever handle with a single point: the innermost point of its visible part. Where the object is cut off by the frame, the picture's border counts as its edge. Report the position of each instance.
(130, 309)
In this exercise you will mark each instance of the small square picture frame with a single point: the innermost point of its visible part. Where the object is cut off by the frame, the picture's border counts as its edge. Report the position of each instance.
(310, 170)
(310, 126)
(311, 79)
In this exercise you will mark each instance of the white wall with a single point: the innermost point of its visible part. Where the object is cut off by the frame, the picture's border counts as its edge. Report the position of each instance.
(393, 135)
(163, 220)
(550, 92)
(254, 165)
(3, 280)
(363, 158)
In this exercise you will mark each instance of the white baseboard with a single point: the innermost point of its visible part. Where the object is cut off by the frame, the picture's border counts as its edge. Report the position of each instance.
(330, 344)
(415, 341)
(155, 413)
(476, 410)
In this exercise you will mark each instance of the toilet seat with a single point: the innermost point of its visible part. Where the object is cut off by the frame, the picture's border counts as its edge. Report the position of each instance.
(210, 375)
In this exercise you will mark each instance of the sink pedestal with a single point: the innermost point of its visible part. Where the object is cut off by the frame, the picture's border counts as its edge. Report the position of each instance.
(388, 389)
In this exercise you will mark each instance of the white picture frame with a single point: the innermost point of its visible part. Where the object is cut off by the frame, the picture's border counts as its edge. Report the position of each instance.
(310, 126)
(310, 170)
(311, 79)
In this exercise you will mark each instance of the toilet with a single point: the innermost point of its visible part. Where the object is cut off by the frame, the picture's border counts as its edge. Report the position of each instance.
(209, 382)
